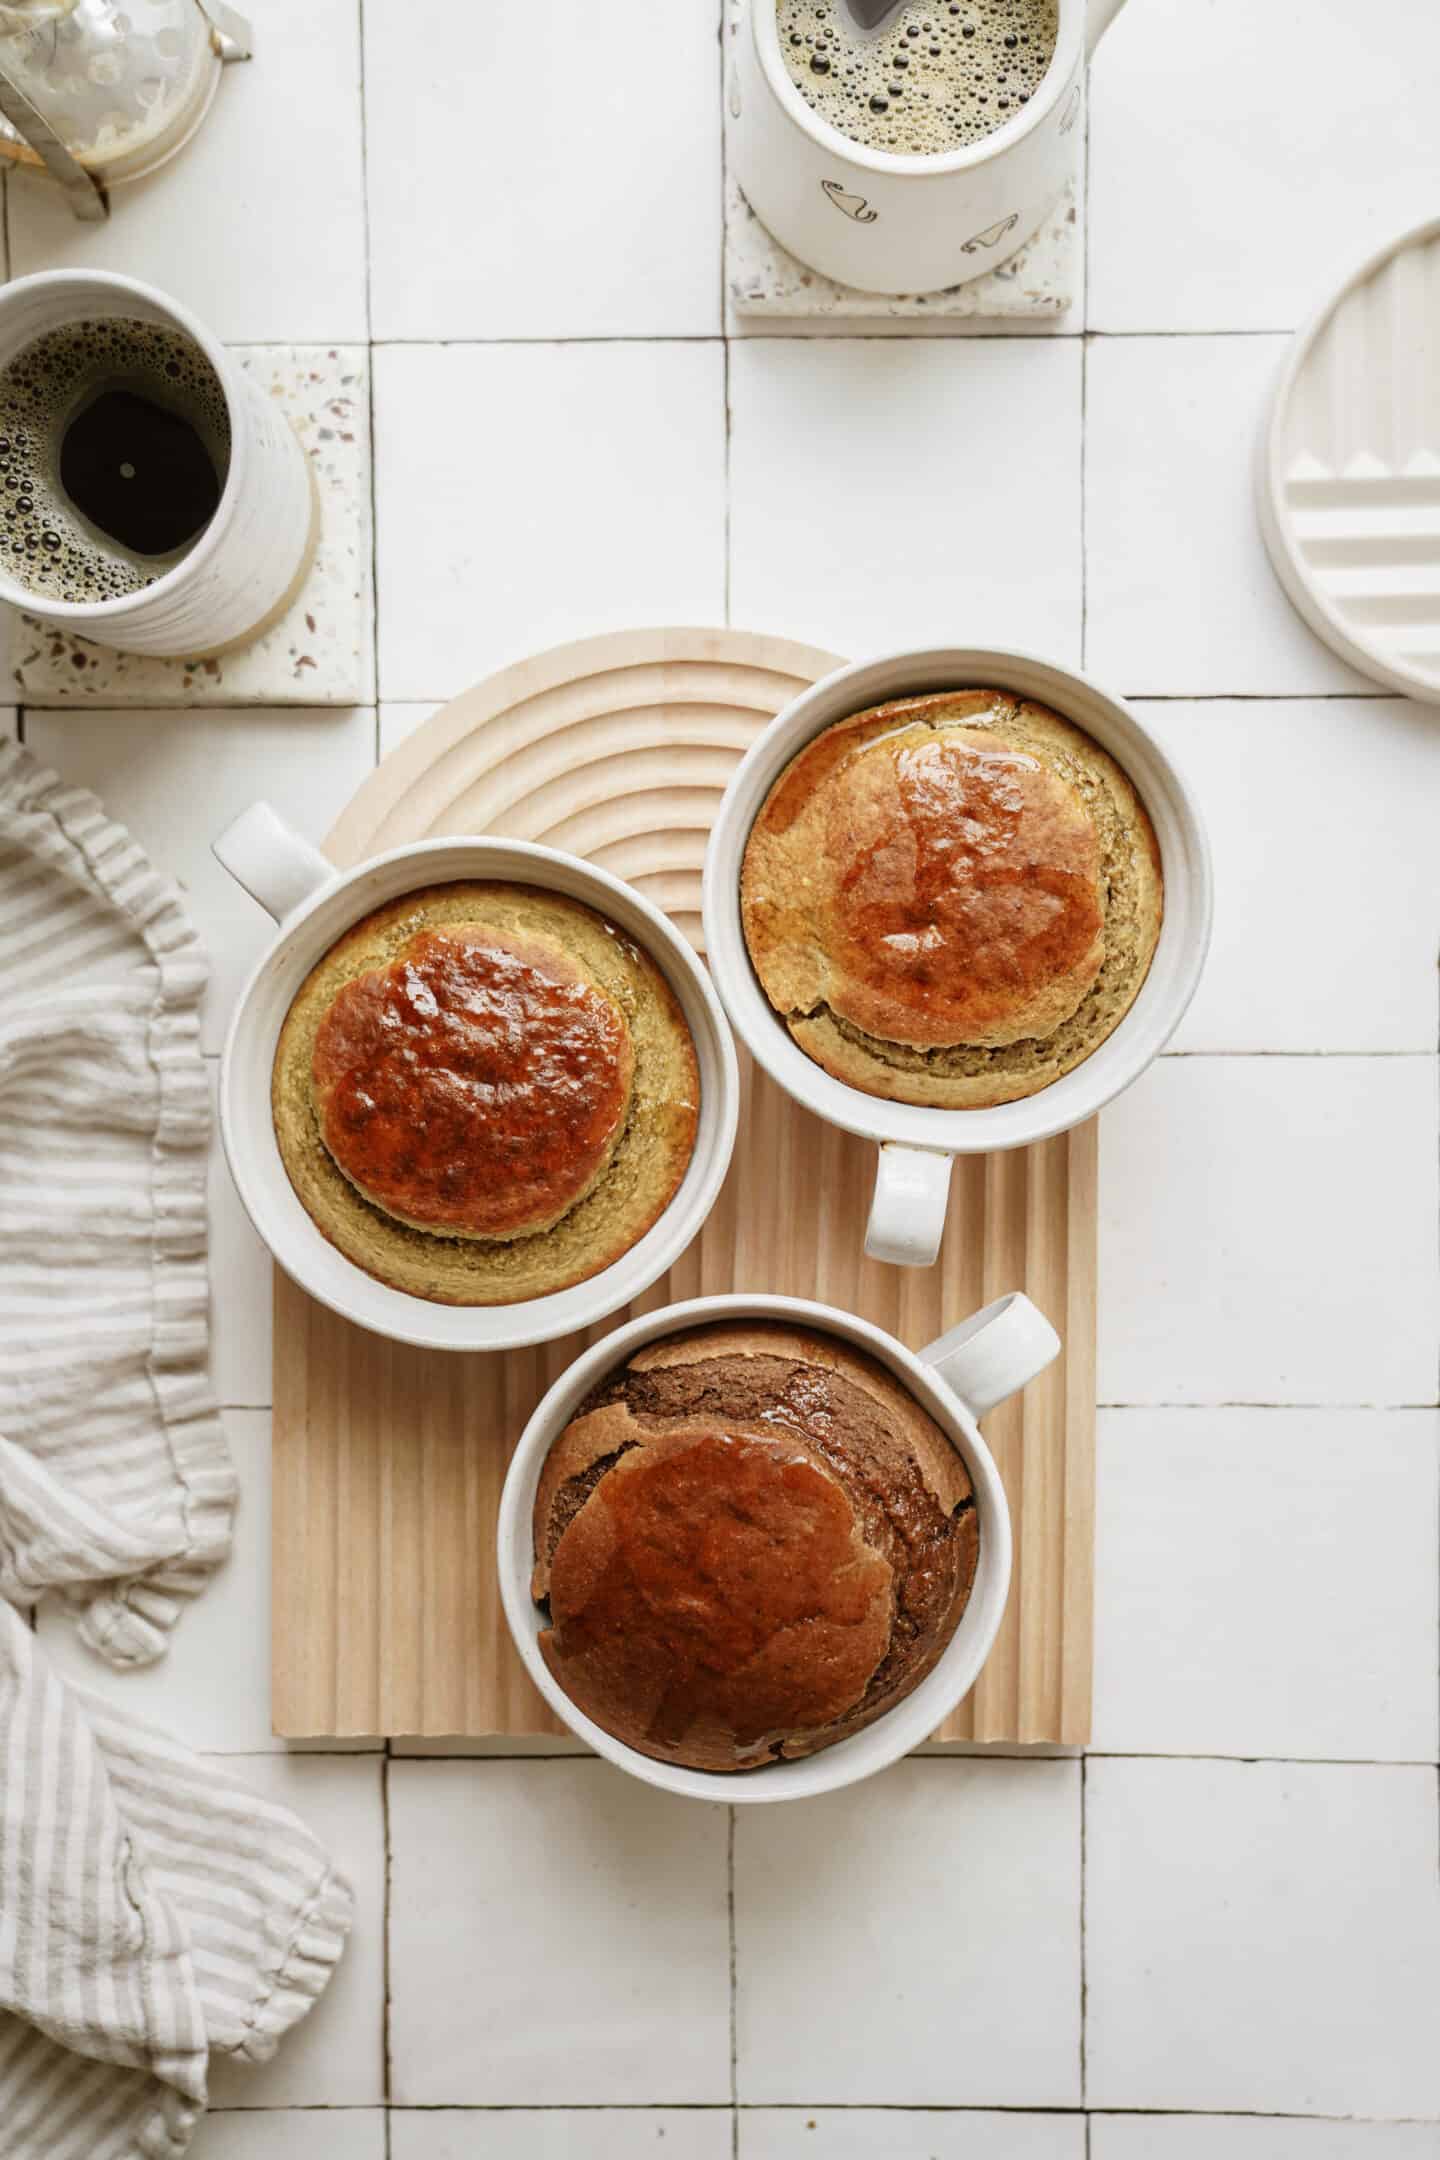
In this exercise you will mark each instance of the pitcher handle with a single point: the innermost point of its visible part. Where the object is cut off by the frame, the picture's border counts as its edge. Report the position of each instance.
(1099, 14)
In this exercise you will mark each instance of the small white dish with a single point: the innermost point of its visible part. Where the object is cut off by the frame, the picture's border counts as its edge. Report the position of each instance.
(315, 904)
(1349, 468)
(957, 1378)
(918, 1145)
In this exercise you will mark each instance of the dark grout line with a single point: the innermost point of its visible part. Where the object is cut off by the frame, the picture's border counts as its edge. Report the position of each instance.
(1358, 1056)
(1003, 1751)
(1308, 1409)
(370, 387)
(1207, 1402)
(1084, 1964)
(1085, 393)
(434, 698)
(831, 2107)
(795, 335)
(387, 1997)
(734, 2000)
(724, 326)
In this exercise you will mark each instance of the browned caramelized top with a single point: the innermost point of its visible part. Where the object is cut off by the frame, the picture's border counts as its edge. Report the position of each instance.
(475, 1086)
(724, 1590)
(752, 1540)
(932, 884)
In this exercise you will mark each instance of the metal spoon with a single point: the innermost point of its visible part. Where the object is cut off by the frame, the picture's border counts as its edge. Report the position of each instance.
(869, 17)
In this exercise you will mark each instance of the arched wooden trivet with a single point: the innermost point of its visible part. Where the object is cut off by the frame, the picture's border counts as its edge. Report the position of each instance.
(388, 1461)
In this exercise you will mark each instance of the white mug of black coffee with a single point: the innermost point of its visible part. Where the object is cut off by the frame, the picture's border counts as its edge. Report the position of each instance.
(152, 496)
(918, 155)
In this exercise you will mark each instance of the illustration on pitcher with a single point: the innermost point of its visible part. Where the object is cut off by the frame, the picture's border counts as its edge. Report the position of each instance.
(854, 206)
(992, 235)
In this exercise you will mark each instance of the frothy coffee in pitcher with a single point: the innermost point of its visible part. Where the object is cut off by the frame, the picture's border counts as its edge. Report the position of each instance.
(114, 446)
(937, 77)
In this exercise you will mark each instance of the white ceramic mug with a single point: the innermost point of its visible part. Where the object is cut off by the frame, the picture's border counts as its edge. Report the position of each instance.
(883, 222)
(918, 1145)
(315, 905)
(249, 560)
(956, 1378)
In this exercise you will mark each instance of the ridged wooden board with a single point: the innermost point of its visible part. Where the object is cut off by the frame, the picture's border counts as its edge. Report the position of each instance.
(388, 1461)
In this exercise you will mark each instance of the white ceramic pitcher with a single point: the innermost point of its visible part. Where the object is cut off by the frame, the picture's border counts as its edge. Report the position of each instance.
(886, 223)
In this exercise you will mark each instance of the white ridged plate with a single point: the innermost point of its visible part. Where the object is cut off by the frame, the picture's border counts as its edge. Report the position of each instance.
(1349, 479)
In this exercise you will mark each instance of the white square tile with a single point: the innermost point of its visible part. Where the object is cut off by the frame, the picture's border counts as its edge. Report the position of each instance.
(544, 171)
(335, 2056)
(907, 491)
(529, 494)
(1327, 877)
(1262, 1937)
(242, 1287)
(292, 2134)
(906, 2134)
(399, 722)
(1180, 599)
(559, 1934)
(1236, 2137)
(1267, 1233)
(560, 2134)
(1266, 1583)
(888, 1935)
(176, 779)
(8, 719)
(259, 223)
(1222, 205)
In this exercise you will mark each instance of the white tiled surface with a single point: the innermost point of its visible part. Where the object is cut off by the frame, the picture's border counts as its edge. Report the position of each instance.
(1262, 1937)
(1265, 1583)
(1267, 1232)
(832, 1897)
(1180, 598)
(564, 445)
(919, 2134)
(1227, 202)
(550, 176)
(560, 2134)
(1327, 890)
(526, 494)
(595, 1927)
(885, 493)
(292, 2134)
(1230, 2137)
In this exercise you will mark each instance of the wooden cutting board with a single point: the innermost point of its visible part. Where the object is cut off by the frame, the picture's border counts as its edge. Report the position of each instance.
(388, 1461)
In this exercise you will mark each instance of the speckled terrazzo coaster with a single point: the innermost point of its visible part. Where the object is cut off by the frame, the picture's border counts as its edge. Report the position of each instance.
(763, 280)
(321, 651)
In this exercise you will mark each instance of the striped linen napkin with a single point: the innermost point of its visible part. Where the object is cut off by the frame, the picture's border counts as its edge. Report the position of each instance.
(150, 1910)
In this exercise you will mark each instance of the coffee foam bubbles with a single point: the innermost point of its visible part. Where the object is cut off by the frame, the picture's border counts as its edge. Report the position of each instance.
(45, 543)
(938, 76)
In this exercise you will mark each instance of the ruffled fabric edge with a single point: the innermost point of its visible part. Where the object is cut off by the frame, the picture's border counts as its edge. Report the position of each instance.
(128, 1622)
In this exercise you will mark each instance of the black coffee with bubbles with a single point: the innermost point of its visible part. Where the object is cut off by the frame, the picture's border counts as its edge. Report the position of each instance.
(942, 73)
(114, 446)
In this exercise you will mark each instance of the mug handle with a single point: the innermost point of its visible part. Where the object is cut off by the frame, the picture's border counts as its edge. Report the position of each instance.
(994, 1353)
(907, 1214)
(272, 862)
